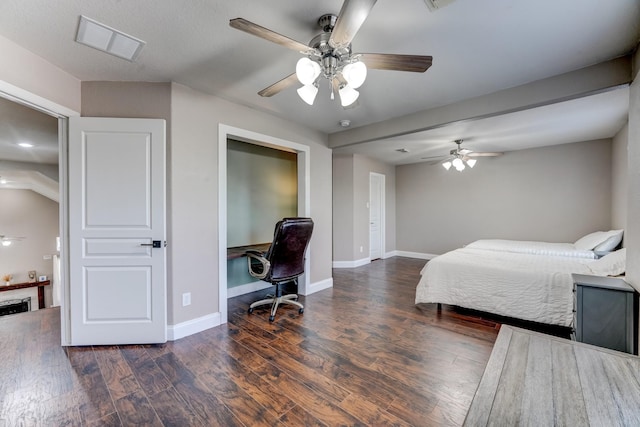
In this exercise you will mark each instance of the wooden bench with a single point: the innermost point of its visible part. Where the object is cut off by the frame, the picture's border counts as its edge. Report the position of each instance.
(538, 379)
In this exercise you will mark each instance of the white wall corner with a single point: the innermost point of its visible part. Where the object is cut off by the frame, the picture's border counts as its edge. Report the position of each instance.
(417, 255)
(193, 326)
(390, 254)
(351, 264)
(319, 286)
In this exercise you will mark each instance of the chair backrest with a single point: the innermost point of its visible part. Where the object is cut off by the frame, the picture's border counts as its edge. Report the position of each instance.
(286, 253)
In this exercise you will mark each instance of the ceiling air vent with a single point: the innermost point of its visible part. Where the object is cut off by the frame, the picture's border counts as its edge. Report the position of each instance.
(434, 5)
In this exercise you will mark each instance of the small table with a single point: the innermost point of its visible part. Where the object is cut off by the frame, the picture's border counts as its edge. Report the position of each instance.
(40, 286)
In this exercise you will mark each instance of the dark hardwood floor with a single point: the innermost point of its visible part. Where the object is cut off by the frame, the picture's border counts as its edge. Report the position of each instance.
(361, 354)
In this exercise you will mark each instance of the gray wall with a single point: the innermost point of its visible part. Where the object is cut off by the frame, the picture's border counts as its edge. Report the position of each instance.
(351, 215)
(632, 234)
(554, 194)
(619, 179)
(34, 217)
(343, 246)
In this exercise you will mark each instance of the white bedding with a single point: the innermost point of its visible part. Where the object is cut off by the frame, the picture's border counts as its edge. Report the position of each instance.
(533, 248)
(523, 286)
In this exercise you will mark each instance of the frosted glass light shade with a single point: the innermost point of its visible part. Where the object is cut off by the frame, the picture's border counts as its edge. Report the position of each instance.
(446, 165)
(6, 242)
(307, 71)
(308, 93)
(457, 163)
(348, 95)
(471, 162)
(355, 74)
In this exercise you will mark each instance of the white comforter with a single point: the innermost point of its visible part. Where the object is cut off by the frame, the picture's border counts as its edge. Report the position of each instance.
(533, 248)
(530, 287)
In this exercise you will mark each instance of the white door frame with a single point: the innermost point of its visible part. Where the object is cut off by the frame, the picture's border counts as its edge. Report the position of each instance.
(304, 197)
(383, 211)
(62, 113)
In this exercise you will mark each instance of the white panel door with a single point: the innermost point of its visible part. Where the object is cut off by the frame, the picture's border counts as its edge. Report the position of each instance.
(117, 231)
(376, 188)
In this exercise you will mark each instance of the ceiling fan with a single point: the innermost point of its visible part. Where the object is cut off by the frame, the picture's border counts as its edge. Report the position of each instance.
(6, 240)
(329, 55)
(460, 157)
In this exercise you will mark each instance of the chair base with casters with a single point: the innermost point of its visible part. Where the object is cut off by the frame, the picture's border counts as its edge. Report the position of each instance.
(276, 300)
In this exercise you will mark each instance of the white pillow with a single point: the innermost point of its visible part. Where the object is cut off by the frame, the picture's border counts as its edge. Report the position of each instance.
(592, 240)
(611, 243)
(613, 264)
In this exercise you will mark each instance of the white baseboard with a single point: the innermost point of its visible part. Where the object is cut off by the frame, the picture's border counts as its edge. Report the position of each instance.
(417, 255)
(247, 288)
(319, 286)
(351, 264)
(190, 327)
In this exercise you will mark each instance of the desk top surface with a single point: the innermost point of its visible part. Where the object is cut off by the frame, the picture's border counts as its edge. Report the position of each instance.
(238, 251)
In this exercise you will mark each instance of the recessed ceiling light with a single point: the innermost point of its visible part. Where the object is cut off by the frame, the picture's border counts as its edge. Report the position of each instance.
(107, 39)
(25, 145)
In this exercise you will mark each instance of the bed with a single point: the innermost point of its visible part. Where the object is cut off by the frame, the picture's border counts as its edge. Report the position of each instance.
(536, 288)
(590, 246)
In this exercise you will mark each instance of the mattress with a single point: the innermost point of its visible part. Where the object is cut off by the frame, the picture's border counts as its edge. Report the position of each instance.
(523, 286)
(533, 248)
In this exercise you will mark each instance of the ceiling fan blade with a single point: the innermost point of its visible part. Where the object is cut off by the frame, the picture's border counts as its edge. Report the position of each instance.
(351, 17)
(265, 33)
(437, 158)
(439, 161)
(384, 61)
(288, 81)
(483, 154)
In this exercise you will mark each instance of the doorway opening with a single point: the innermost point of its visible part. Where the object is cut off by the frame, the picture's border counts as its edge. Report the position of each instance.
(376, 216)
(61, 113)
(226, 133)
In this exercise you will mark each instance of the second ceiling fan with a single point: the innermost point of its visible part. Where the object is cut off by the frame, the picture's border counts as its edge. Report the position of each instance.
(460, 157)
(329, 55)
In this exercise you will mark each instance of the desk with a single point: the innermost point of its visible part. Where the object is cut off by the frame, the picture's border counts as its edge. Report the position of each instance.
(238, 251)
(538, 379)
(40, 286)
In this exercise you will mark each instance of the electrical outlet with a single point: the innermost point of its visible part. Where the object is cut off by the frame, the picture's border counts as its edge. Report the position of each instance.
(186, 299)
(46, 257)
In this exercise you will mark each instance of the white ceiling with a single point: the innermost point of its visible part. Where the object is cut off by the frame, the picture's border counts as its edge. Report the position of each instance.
(479, 47)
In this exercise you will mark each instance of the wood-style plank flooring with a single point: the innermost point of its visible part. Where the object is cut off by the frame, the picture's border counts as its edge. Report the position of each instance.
(361, 354)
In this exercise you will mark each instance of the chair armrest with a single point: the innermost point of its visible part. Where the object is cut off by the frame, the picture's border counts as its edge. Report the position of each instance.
(257, 256)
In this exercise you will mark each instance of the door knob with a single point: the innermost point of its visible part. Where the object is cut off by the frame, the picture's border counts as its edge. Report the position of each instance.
(154, 244)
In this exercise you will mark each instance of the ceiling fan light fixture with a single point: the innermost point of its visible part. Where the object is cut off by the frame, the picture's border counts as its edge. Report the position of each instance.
(307, 71)
(471, 162)
(6, 242)
(308, 93)
(355, 74)
(348, 95)
(446, 165)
